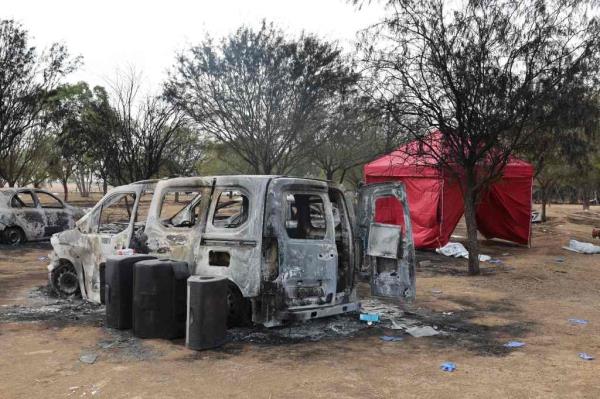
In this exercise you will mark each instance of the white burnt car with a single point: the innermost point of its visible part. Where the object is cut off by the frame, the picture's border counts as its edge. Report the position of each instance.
(32, 214)
(290, 247)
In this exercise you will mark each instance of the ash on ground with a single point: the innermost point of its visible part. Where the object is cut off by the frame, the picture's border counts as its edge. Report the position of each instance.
(43, 305)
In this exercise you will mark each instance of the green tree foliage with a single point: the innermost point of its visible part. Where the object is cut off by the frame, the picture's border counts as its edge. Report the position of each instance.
(27, 78)
(260, 92)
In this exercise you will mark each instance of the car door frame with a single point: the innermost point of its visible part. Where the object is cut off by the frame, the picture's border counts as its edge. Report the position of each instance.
(310, 255)
(28, 218)
(398, 281)
(51, 229)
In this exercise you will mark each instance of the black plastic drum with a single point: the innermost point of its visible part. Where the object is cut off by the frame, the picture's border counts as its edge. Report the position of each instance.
(118, 289)
(206, 325)
(159, 294)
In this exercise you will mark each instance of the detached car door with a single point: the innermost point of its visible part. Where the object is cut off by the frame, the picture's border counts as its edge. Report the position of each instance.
(388, 250)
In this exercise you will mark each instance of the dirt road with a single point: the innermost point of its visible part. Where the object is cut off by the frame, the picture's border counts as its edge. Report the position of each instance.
(529, 298)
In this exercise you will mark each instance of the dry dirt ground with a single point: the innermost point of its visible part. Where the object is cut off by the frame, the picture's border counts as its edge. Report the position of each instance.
(529, 297)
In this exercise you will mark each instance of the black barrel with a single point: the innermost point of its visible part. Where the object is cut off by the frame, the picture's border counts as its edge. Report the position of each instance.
(206, 312)
(118, 289)
(159, 293)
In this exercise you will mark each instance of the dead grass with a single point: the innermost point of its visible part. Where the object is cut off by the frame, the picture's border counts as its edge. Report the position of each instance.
(529, 298)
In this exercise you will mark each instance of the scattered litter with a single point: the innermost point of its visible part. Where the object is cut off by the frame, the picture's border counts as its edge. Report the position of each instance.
(385, 310)
(495, 261)
(424, 263)
(514, 344)
(536, 217)
(585, 356)
(424, 331)
(370, 318)
(389, 338)
(578, 321)
(447, 313)
(436, 292)
(88, 358)
(448, 366)
(403, 324)
(458, 250)
(455, 249)
(560, 259)
(40, 352)
(42, 258)
(505, 254)
(582, 247)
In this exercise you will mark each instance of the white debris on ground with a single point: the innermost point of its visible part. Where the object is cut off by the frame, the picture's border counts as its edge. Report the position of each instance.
(422, 331)
(458, 250)
(391, 316)
(583, 247)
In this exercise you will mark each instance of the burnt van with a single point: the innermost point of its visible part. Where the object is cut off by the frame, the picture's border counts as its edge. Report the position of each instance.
(291, 248)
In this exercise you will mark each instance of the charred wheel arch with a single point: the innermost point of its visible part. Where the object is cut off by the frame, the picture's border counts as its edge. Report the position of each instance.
(64, 281)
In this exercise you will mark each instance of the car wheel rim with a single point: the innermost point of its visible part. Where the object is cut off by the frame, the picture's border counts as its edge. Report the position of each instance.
(13, 237)
(67, 282)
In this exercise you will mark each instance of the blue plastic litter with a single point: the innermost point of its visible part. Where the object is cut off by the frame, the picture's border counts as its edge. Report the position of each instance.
(514, 344)
(495, 261)
(578, 321)
(585, 356)
(369, 317)
(448, 366)
(388, 338)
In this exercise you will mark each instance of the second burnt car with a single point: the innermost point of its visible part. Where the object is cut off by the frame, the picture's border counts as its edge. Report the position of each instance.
(28, 214)
(290, 247)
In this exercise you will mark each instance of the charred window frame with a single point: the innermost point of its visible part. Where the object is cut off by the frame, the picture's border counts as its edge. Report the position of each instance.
(300, 216)
(60, 204)
(108, 202)
(191, 213)
(17, 202)
(219, 220)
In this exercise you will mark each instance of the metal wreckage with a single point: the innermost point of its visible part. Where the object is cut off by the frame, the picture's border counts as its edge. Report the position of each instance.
(33, 214)
(291, 248)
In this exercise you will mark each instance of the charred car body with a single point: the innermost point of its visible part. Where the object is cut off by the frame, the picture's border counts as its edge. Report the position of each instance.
(290, 247)
(33, 214)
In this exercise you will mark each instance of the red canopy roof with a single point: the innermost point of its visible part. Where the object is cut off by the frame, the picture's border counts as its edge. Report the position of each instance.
(436, 203)
(405, 162)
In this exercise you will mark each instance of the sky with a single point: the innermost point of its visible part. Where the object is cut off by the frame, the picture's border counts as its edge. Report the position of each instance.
(146, 35)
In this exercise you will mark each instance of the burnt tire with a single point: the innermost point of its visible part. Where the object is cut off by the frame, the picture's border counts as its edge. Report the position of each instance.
(238, 308)
(13, 236)
(64, 281)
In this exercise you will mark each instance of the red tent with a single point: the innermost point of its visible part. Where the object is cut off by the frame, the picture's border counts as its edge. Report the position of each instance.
(436, 203)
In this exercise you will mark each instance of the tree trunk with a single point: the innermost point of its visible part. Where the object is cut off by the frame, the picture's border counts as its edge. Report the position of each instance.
(585, 199)
(469, 204)
(329, 175)
(544, 195)
(104, 186)
(544, 202)
(65, 190)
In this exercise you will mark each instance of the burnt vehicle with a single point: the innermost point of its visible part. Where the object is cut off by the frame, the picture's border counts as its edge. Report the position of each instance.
(290, 247)
(32, 214)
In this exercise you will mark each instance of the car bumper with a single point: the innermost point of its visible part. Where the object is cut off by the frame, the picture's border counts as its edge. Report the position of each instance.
(318, 312)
